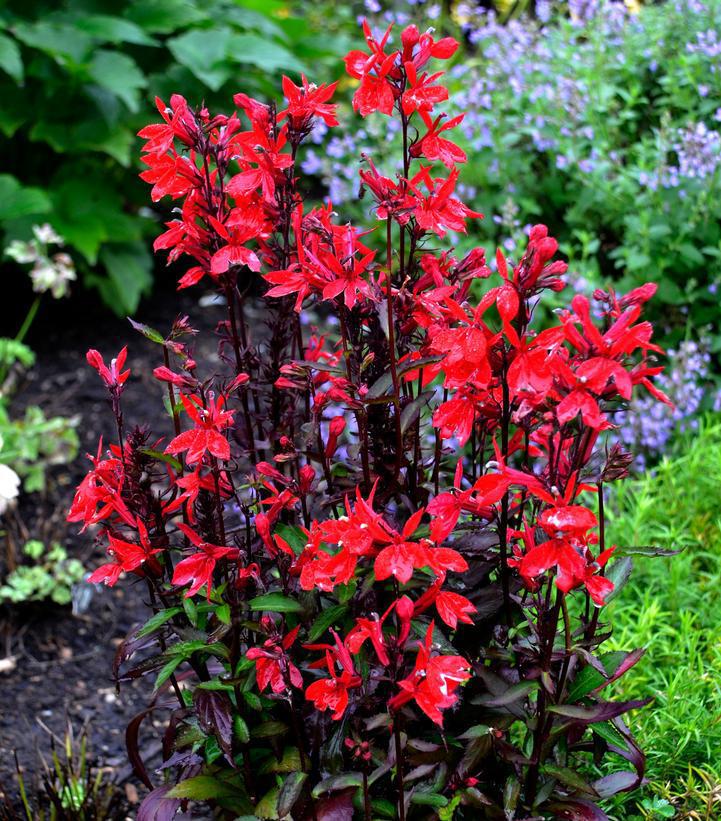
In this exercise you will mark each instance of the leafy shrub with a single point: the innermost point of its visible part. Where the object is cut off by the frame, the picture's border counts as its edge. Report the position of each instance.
(74, 80)
(375, 570)
(605, 121)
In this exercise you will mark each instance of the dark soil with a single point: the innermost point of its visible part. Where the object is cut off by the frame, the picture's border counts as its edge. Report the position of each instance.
(60, 664)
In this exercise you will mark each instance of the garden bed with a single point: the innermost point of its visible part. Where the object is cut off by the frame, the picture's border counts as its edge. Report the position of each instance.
(56, 666)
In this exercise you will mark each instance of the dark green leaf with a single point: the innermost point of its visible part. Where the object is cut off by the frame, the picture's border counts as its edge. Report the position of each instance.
(570, 779)
(129, 266)
(290, 792)
(204, 52)
(10, 60)
(326, 619)
(268, 729)
(338, 782)
(275, 603)
(19, 201)
(203, 788)
(156, 621)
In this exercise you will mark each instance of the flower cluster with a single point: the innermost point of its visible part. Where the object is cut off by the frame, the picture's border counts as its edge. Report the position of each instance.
(360, 534)
(48, 273)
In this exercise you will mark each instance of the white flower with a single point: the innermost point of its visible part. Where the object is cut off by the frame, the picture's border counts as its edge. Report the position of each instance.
(22, 252)
(53, 275)
(9, 487)
(47, 234)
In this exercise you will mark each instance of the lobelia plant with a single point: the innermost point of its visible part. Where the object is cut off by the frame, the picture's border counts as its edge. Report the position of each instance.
(376, 558)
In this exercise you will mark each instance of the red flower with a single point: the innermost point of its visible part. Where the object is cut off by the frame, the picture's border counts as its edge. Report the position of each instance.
(198, 568)
(559, 553)
(113, 376)
(191, 484)
(434, 147)
(332, 693)
(99, 495)
(451, 607)
(273, 666)
(375, 92)
(433, 681)
(421, 94)
(567, 520)
(439, 211)
(127, 557)
(205, 437)
(308, 101)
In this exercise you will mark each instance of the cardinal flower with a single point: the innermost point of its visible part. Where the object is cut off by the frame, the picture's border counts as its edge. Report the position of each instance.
(273, 667)
(198, 568)
(376, 91)
(205, 437)
(439, 211)
(113, 375)
(433, 681)
(332, 693)
(127, 557)
(306, 102)
(434, 147)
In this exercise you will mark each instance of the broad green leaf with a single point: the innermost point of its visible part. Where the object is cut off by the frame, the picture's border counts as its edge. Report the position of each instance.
(167, 671)
(267, 807)
(19, 201)
(619, 573)
(510, 696)
(129, 267)
(275, 603)
(240, 729)
(570, 778)
(87, 211)
(11, 61)
(65, 43)
(163, 457)
(204, 52)
(120, 74)
(262, 53)
(148, 332)
(163, 16)
(289, 762)
(112, 29)
(268, 729)
(93, 134)
(14, 110)
(185, 649)
(293, 535)
(428, 799)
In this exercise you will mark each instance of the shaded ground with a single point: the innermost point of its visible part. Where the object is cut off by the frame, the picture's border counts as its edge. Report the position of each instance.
(58, 666)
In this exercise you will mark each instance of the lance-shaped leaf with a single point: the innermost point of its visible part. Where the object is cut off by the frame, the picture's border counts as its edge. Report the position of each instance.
(157, 806)
(510, 696)
(338, 782)
(290, 792)
(602, 711)
(576, 810)
(215, 710)
(615, 783)
(591, 679)
(570, 778)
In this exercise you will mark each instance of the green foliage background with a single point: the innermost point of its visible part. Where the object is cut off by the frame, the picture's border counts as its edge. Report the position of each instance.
(77, 81)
